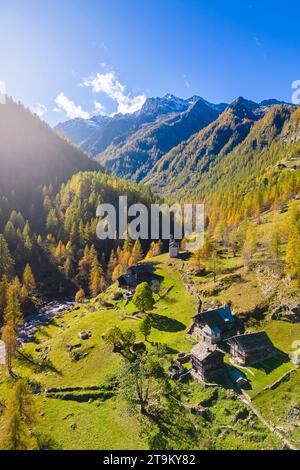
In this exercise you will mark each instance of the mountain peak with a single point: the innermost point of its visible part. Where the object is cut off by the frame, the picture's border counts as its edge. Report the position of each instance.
(272, 102)
(167, 104)
(242, 102)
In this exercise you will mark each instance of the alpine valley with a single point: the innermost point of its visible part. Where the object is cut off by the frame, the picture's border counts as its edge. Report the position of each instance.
(141, 344)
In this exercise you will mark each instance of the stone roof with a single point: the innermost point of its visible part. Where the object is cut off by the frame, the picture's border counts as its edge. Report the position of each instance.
(141, 268)
(202, 351)
(253, 341)
(216, 318)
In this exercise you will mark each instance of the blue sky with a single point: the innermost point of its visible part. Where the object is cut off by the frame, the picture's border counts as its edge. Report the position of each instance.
(73, 58)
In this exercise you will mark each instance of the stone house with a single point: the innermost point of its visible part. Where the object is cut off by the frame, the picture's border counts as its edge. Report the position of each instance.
(207, 362)
(251, 348)
(214, 325)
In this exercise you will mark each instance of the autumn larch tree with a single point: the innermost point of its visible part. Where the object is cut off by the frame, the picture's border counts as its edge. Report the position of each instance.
(292, 257)
(117, 272)
(28, 279)
(137, 252)
(19, 419)
(9, 338)
(80, 296)
(97, 282)
(3, 295)
(13, 318)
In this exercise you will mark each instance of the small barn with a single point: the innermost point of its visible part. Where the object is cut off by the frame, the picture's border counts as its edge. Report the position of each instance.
(173, 248)
(142, 272)
(251, 348)
(214, 325)
(136, 274)
(207, 361)
(126, 281)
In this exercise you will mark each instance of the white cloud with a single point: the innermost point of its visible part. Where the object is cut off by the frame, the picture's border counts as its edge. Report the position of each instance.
(69, 107)
(257, 41)
(108, 84)
(99, 108)
(186, 81)
(39, 109)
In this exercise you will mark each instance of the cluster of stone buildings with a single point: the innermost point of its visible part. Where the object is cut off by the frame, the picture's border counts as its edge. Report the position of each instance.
(217, 330)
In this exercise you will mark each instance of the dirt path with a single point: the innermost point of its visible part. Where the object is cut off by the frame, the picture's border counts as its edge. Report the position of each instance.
(270, 426)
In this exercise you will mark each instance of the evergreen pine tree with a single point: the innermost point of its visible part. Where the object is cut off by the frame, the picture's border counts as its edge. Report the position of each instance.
(6, 261)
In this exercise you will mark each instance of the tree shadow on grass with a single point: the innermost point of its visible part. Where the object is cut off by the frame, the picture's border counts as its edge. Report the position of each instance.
(170, 300)
(37, 366)
(164, 323)
(170, 350)
(184, 256)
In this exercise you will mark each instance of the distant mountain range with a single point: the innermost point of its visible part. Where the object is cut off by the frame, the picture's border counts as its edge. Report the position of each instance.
(95, 135)
(172, 142)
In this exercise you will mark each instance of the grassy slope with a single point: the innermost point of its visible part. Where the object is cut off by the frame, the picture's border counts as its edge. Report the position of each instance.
(276, 405)
(100, 424)
(104, 424)
(247, 292)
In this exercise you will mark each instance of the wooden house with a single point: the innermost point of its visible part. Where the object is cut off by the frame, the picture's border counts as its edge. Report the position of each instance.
(251, 348)
(207, 361)
(136, 274)
(214, 325)
(142, 272)
(126, 281)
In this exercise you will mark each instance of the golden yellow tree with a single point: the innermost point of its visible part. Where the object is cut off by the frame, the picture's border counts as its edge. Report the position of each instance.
(97, 282)
(117, 272)
(292, 257)
(28, 279)
(19, 419)
(13, 318)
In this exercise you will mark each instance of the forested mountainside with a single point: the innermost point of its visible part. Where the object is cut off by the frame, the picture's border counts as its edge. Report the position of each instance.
(58, 240)
(47, 209)
(32, 154)
(94, 135)
(232, 156)
(192, 158)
